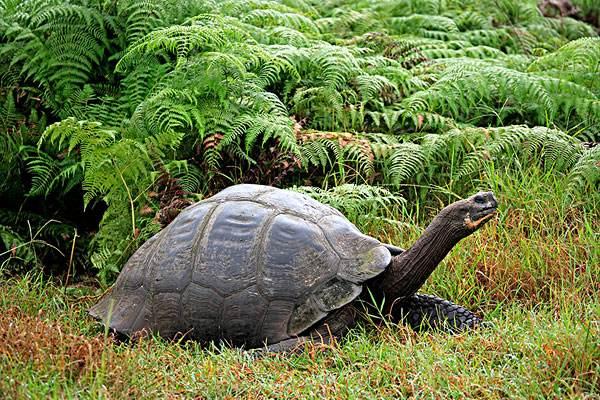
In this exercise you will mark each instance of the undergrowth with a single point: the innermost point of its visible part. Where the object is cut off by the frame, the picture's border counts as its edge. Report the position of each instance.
(101, 101)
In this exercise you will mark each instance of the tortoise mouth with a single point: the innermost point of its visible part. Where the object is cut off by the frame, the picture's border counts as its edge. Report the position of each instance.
(485, 212)
(480, 217)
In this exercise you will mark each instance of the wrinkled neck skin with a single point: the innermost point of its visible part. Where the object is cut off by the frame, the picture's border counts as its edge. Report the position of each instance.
(408, 271)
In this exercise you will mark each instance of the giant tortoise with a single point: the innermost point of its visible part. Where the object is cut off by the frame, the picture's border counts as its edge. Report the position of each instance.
(258, 266)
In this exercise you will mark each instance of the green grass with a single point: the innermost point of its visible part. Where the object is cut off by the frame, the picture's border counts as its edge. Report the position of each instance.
(533, 275)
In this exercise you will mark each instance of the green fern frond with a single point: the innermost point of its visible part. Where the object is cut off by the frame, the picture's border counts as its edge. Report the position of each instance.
(421, 22)
(49, 175)
(141, 17)
(341, 151)
(319, 153)
(355, 201)
(578, 61)
(180, 40)
(406, 160)
(585, 174)
(270, 17)
(554, 147)
(192, 179)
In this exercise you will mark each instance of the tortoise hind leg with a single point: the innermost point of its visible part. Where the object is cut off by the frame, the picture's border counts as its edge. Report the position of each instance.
(285, 346)
(334, 326)
(422, 312)
(293, 345)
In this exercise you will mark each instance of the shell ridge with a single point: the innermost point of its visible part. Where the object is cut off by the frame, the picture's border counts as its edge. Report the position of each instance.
(198, 238)
(260, 251)
(331, 246)
(150, 265)
(139, 315)
(199, 245)
(271, 190)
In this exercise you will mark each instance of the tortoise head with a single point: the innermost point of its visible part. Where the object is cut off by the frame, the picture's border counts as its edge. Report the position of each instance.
(409, 270)
(466, 216)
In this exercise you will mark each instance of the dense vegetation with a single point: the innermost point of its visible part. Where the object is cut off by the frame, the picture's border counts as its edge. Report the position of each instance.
(115, 115)
(116, 111)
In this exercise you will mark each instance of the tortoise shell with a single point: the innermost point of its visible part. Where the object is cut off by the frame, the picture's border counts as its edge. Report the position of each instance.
(251, 265)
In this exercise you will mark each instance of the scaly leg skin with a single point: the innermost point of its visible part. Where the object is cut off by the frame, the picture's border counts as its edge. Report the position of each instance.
(285, 346)
(422, 312)
(288, 346)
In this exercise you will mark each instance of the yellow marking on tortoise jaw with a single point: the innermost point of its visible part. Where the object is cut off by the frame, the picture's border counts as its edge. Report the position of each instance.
(475, 224)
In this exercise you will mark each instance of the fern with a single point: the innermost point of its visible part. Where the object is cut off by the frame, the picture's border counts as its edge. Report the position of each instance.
(585, 174)
(342, 152)
(406, 160)
(553, 147)
(57, 47)
(469, 87)
(578, 61)
(405, 94)
(357, 201)
(270, 17)
(140, 18)
(115, 169)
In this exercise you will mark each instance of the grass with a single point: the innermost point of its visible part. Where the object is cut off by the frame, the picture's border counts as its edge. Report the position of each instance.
(534, 275)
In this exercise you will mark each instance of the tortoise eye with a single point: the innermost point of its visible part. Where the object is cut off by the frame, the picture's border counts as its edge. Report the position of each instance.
(479, 199)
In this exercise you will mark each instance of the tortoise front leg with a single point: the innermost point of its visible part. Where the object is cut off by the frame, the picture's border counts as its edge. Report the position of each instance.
(422, 312)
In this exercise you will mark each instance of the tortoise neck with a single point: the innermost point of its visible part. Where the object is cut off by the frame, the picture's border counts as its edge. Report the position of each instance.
(408, 271)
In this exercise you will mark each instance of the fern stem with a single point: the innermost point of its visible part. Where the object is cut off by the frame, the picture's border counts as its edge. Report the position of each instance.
(75, 236)
(131, 205)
